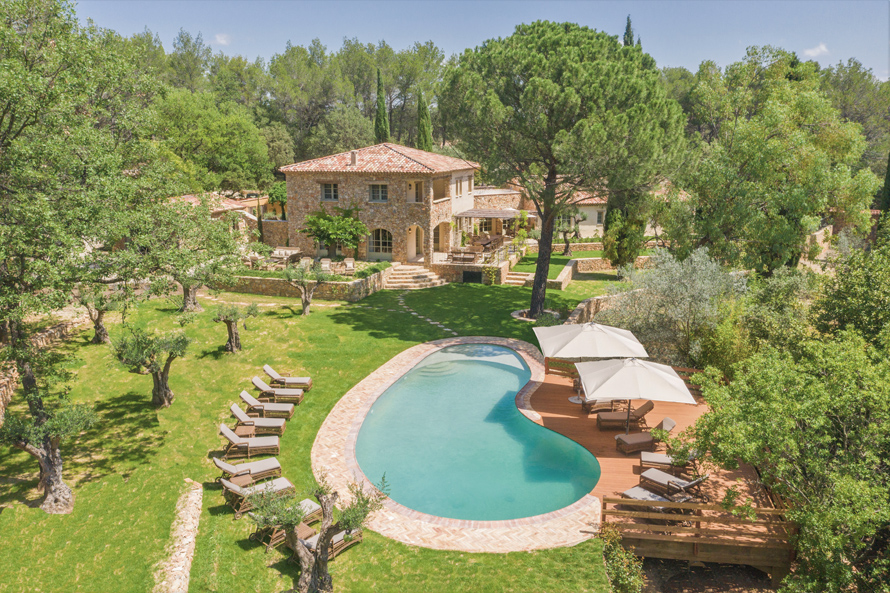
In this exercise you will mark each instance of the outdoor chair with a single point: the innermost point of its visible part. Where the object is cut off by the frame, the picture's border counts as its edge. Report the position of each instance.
(306, 262)
(349, 270)
(326, 265)
(257, 470)
(266, 409)
(248, 447)
(640, 493)
(617, 420)
(260, 425)
(339, 543)
(304, 383)
(591, 406)
(641, 441)
(664, 462)
(277, 394)
(660, 481)
(273, 536)
(238, 497)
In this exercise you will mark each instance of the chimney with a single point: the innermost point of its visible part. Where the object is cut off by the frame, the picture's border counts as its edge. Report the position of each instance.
(353, 158)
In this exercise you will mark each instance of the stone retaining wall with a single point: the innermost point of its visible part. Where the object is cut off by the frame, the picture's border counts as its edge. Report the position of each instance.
(352, 291)
(586, 310)
(595, 246)
(9, 377)
(275, 233)
(455, 272)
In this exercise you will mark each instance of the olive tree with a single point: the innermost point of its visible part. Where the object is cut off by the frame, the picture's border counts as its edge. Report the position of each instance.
(230, 315)
(98, 300)
(153, 353)
(559, 107)
(306, 280)
(272, 510)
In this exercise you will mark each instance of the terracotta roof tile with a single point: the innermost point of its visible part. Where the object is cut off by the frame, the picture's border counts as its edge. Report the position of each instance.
(383, 158)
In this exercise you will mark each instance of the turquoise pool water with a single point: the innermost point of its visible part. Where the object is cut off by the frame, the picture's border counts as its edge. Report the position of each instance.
(452, 443)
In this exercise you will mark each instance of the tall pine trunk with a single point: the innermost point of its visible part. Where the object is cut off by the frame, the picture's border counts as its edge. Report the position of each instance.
(539, 288)
(190, 299)
(234, 343)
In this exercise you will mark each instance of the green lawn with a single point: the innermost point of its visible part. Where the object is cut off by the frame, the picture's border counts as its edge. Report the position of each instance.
(557, 262)
(128, 470)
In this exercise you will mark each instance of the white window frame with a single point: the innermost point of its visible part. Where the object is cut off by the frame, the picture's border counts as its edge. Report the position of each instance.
(379, 187)
(334, 190)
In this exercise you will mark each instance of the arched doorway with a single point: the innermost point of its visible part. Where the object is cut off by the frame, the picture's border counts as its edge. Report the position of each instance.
(380, 245)
(442, 237)
(415, 243)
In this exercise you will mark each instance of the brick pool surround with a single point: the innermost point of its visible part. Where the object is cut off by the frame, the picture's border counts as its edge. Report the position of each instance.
(333, 457)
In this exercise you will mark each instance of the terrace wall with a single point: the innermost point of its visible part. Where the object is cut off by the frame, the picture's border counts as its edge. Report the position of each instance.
(275, 233)
(352, 291)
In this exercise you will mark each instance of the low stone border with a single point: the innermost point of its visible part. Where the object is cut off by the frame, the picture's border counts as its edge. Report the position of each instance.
(333, 457)
(520, 315)
(173, 574)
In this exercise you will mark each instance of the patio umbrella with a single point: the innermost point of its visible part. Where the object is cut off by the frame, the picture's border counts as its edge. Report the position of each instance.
(631, 378)
(588, 340)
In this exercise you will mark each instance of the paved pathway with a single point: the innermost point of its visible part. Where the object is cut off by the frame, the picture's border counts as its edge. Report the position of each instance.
(173, 574)
(405, 308)
(333, 455)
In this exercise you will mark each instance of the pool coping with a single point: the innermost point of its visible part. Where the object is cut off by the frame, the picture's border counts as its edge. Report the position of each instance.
(333, 459)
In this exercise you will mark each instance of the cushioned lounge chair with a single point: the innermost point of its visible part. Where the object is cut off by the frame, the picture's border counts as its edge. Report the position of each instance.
(325, 265)
(266, 409)
(655, 479)
(247, 447)
(304, 383)
(663, 462)
(339, 543)
(277, 394)
(260, 425)
(641, 441)
(640, 493)
(257, 470)
(618, 419)
(273, 536)
(238, 497)
(350, 266)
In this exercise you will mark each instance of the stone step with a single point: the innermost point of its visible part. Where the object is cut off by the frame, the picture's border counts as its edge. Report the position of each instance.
(414, 285)
(412, 278)
(518, 278)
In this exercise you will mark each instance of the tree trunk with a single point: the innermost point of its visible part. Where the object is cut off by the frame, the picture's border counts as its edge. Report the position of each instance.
(539, 288)
(314, 575)
(161, 395)
(101, 333)
(234, 343)
(306, 294)
(567, 251)
(190, 299)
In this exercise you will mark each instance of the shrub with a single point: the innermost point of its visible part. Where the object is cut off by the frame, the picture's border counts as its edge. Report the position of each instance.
(371, 270)
(625, 571)
(547, 320)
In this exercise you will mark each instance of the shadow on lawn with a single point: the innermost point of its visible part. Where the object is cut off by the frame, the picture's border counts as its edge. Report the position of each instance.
(126, 435)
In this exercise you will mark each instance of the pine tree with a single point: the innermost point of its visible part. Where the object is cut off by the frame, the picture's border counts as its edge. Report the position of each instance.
(381, 121)
(885, 194)
(628, 34)
(424, 125)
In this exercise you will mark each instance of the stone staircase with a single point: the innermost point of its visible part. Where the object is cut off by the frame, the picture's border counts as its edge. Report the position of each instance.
(412, 278)
(518, 278)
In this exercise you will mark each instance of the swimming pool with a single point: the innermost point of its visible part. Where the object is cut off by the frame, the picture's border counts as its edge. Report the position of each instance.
(452, 443)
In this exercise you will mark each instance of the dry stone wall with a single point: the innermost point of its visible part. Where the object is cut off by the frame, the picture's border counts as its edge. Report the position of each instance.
(275, 233)
(352, 291)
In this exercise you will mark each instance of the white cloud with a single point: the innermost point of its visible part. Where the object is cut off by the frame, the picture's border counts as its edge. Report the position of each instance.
(223, 39)
(815, 52)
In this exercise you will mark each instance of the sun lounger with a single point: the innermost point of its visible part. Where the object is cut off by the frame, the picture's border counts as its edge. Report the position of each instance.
(274, 535)
(339, 543)
(660, 481)
(247, 447)
(257, 470)
(618, 419)
(277, 394)
(642, 441)
(238, 497)
(304, 383)
(260, 425)
(663, 462)
(640, 493)
(266, 409)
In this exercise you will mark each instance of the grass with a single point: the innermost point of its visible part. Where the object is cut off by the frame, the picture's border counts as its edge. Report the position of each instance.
(557, 262)
(129, 470)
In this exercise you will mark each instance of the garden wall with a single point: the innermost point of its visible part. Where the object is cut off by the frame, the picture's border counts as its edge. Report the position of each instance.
(455, 272)
(275, 233)
(594, 246)
(352, 291)
(9, 377)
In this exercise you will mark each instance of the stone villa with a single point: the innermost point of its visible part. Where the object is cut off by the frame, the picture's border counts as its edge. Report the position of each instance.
(416, 204)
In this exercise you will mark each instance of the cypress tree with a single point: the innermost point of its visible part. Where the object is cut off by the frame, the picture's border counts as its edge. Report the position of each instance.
(628, 34)
(885, 194)
(424, 125)
(381, 121)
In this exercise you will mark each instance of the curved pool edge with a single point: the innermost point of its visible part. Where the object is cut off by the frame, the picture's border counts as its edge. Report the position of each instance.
(333, 456)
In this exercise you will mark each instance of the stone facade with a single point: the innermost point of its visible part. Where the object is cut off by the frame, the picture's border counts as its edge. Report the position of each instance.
(275, 233)
(410, 222)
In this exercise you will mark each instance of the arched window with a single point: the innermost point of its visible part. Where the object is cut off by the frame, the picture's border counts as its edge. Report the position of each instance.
(380, 241)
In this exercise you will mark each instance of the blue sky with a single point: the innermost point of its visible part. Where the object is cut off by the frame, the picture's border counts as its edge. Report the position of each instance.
(681, 33)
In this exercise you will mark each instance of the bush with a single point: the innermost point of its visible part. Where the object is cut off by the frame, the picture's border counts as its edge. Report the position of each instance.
(625, 571)
(547, 320)
(371, 270)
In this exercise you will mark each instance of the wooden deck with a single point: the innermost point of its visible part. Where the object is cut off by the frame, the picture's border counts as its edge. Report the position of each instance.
(619, 471)
(702, 532)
